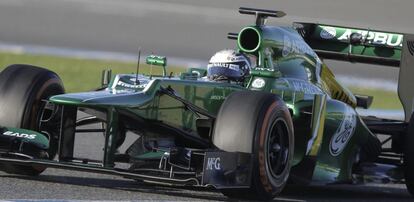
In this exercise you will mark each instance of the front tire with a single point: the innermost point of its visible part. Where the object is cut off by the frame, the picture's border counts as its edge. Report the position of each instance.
(22, 89)
(257, 123)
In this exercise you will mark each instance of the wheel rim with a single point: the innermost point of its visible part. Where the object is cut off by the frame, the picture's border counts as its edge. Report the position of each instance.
(278, 148)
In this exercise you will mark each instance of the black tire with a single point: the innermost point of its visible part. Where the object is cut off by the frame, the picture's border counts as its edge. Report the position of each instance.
(26, 170)
(252, 122)
(22, 89)
(409, 157)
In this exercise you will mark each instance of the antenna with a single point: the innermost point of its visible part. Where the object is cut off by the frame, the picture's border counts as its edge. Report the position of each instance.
(139, 58)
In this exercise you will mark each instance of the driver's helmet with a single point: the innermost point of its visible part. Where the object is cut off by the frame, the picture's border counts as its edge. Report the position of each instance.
(228, 65)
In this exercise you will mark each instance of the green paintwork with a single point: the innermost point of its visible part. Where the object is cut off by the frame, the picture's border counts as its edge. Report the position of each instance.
(33, 137)
(150, 155)
(279, 50)
(110, 137)
(376, 44)
(158, 61)
(108, 98)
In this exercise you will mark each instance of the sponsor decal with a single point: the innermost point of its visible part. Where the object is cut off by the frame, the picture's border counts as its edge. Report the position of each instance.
(217, 97)
(296, 45)
(235, 58)
(344, 133)
(127, 85)
(410, 46)
(264, 69)
(225, 65)
(304, 86)
(20, 135)
(258, 83)
(213, 164)
(287, 46)
(376, 38)
(127, 81)
(328, 32)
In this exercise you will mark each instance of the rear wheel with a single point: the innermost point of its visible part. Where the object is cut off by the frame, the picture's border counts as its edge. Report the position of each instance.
(22, 89)
(257, 123)
(409, 157)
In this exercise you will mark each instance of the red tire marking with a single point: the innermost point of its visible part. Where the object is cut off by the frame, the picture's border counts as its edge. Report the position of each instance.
(262, 162)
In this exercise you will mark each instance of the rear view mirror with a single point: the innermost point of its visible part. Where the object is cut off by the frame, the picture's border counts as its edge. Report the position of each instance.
(158, 61)
(106, 77)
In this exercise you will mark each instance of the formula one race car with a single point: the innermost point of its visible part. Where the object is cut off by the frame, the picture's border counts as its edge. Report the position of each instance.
(290, 121)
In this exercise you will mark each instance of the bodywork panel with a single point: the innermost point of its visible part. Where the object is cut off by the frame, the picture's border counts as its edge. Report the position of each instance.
(16, 140)
(405, 80)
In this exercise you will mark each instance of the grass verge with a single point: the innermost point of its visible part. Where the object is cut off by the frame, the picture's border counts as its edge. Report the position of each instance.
(78, 74)
(382, 99)
(85, 74)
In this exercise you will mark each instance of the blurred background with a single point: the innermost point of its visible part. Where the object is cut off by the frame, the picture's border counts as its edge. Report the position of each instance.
(79, 38)
(108, 34)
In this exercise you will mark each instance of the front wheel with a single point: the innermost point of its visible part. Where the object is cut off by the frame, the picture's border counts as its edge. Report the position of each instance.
(23, 88)
(257, 123)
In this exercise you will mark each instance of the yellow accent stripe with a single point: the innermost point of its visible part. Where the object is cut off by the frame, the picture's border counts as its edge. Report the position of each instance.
(318, 142)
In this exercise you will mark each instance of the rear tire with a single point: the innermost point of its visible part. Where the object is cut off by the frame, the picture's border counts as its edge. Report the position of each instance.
(409, 157)
(22, 89)
(257, 123)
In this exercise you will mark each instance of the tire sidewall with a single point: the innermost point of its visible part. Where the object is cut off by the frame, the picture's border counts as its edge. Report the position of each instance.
(47, 86)
(273, 111)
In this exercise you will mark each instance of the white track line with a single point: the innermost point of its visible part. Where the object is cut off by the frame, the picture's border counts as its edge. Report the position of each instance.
(127, 57)
(90, 54)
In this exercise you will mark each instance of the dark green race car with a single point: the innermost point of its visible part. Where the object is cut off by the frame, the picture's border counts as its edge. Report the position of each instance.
(290, 121)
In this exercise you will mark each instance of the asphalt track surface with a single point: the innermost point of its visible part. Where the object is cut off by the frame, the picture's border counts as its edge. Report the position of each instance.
(56, 184)
(185, 29)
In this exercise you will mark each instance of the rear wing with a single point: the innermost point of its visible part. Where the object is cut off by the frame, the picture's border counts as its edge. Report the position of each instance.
(366, 46)
(333, 42)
